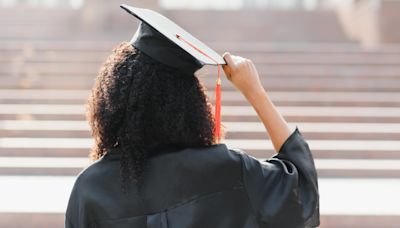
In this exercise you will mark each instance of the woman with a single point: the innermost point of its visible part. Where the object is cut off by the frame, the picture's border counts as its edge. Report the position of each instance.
(160, 165)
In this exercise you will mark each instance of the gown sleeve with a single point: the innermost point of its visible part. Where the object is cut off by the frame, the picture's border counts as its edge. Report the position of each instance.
(283, 190)
(75, 215)
(72, 212)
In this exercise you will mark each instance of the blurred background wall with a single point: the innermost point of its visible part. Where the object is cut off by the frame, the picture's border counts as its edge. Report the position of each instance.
(331, 67)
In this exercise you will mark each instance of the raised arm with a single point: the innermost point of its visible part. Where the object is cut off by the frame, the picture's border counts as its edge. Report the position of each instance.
(244, 76)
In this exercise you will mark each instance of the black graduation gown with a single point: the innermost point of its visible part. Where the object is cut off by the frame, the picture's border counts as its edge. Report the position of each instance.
(202, 187)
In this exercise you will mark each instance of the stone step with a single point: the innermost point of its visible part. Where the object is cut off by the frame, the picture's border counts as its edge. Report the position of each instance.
(25, 31)
(98, 57)
(229, 134)
(285, 98)
(295, 70)
(327, 154)
(359, 221)
(324, 173)
(68, 46)
(328, 135)
(34, 81)
(56, 220)
(307, 111)
(233, 102)
(41, 201)
(231, 118)
(282, 77)
(246, 127)
(333, 134)
(71, 166)
(44, 112)
(253, 47)
(346, 146)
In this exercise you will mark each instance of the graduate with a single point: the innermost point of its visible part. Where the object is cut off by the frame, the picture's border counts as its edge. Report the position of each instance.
(159, 156)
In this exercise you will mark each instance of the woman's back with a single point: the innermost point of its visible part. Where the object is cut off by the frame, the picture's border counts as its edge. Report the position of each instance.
(200, 187)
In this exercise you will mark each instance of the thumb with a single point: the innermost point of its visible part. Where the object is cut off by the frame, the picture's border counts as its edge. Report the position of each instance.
(229, 62)
(228, 59)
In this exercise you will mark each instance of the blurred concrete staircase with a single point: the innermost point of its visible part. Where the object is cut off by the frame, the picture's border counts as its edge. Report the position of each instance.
(344, 99)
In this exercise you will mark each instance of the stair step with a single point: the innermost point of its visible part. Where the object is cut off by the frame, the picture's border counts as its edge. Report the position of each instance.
(56, 220)
(58, 109)
(41, 201)
(72, 166)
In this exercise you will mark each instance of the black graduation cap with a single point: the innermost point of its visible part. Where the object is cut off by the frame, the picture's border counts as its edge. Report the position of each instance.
(163, 40)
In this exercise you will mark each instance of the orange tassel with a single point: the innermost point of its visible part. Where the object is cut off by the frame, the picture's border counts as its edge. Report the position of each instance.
(217, 114)
(217, 132)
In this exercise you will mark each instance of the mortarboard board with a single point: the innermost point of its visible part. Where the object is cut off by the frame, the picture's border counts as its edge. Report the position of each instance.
(168, 43)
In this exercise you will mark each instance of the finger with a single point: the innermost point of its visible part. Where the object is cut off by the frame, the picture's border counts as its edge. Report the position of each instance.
(227, 71)
(228, 59)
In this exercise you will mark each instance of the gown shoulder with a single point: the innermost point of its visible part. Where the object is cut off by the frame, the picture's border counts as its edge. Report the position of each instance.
(283, 189)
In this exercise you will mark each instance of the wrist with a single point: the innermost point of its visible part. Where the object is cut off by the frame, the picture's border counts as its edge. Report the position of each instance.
(255, 94)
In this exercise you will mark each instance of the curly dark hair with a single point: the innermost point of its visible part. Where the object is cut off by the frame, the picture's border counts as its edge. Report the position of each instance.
(139, 105)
